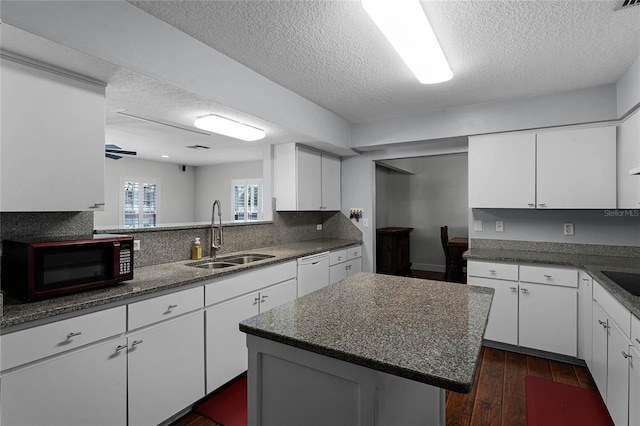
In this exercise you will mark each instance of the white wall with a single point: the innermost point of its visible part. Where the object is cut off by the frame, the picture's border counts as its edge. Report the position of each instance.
(176, 193)
(434, 196)
(214, 183)
(628, 88)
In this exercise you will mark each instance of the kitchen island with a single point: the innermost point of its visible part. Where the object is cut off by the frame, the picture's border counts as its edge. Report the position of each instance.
(371, 349)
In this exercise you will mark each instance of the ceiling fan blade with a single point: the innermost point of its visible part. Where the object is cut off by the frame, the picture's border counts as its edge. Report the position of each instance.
(119, 151)
(111, 146)
(113, 157)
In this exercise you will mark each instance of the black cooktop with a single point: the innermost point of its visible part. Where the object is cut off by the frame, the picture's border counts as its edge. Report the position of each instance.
(627, 280)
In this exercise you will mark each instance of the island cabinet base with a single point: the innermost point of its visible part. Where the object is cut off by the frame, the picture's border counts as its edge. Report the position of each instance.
(291, 386)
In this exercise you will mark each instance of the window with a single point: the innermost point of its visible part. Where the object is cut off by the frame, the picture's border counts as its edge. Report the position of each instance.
(247, 199)
(140, 203)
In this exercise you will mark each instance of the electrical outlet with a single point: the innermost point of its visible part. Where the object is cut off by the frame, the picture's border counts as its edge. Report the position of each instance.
(477, 225)
(136, 245)
(568, 229)
(319, 227)
(365, 223)
(499, 226)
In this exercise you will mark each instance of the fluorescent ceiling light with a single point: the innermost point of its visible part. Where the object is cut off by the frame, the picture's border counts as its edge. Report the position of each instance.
(224, 126)
(407, 28)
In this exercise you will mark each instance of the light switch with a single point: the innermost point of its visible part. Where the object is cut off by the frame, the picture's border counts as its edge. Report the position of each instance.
(477, 225)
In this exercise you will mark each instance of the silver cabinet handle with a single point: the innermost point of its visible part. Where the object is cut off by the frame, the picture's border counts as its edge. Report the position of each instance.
(515, 289)
(531, 204)
(603, 324)
(492, 271)
(542, 205)
(172, 307)
(637, 340)
(71, 335)
(264, 297)
(96, 205)
(585, 279)
(136, 343)
(256, 300)
(626, 355)
(524, 290)
(548, 277)
(121, 347)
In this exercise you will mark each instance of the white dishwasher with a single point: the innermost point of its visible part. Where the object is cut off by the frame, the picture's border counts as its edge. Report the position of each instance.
(313, 273)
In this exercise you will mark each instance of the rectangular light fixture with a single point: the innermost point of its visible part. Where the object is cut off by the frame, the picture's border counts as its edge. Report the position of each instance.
(224, 126)
(405, 25)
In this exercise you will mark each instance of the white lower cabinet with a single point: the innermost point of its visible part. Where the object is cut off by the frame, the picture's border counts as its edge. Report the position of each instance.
(547, 318)
(599, 352)
(539, 315)
(226, 344)
(85, 387)
(165, 369)
(585, 314)
(634, 386)
(344, 263)
(618, 375)
(503, 317)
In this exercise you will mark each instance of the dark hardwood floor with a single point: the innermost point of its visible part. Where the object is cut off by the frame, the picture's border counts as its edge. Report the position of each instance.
(498, 394)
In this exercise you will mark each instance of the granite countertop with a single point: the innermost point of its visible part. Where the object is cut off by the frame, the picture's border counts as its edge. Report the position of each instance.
(152, 279)
(423, 330)
(591, 263)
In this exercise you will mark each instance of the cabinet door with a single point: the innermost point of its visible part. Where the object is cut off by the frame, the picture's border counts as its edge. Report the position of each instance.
(166, 369)
(52, 141)
(84, 387)
(618, 376)
(548, 318)
(502, 171)
(576, 169)
(226, 344)
(585, 309)
(337, 272)
(599, 350)
(634, 387)
(330, 183)
(277, 295)
(309, 183)
(503, 316)
(629, 158)
(354, 266)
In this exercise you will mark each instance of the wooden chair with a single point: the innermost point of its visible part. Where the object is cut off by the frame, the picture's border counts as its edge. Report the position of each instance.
(444, 238)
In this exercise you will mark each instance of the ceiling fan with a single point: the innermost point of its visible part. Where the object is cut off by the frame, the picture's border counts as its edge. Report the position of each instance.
(110, 151)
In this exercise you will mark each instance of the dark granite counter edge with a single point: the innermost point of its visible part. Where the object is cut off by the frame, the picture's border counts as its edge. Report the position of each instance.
(462, 387)
(593, 265)
(80, 301)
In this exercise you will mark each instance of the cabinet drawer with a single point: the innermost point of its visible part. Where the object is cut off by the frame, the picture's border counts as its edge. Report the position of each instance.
(549, 275)
(164, 307)
(337, 257)
(39, 342)
(354, 252)
(614, 309)
(635, 332)
(501, 271)
(245, 282)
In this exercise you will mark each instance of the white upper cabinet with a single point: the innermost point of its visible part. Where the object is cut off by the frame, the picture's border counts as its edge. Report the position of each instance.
(629, 158)
(53, 133)
(502, 171)
(576, 168)
(305, 180)
(560, 169)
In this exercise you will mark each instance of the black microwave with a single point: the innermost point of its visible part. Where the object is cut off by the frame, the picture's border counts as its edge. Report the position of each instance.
(34, 269)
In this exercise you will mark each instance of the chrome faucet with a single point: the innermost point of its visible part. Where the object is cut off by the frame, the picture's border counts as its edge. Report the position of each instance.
(216, 240)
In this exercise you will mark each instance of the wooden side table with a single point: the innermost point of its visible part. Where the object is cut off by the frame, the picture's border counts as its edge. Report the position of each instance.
(392, 250)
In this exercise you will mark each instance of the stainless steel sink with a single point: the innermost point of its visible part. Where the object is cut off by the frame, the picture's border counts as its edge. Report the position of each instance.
(246, 258)
(227, 262)
(212, 264)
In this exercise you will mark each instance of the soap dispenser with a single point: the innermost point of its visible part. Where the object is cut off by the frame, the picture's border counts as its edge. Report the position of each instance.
(196, 250)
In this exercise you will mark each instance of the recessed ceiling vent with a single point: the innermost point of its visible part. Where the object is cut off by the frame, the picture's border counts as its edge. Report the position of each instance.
(626, 4)
(197, 147)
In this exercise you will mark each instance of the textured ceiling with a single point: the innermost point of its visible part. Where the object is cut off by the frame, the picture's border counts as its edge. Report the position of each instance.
(332, 54)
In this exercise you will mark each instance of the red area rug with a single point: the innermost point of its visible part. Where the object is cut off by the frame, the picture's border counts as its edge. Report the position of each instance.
(557, 404)
(229, 406)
